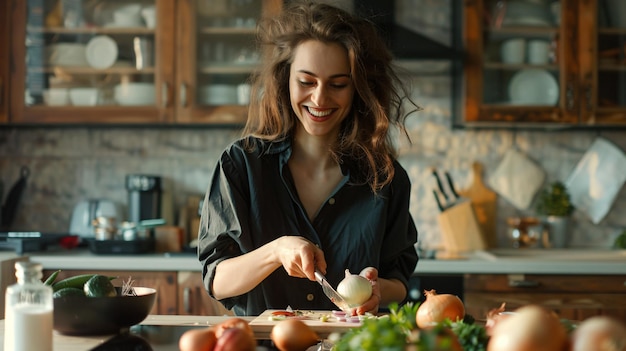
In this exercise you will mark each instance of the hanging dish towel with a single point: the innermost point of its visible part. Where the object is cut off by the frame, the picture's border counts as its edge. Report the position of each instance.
(597, 179)
(517, 179)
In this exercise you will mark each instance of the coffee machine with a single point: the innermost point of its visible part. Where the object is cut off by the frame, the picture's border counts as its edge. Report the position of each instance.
(144, 197)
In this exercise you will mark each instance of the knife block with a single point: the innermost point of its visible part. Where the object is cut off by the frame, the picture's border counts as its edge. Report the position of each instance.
(459, 228)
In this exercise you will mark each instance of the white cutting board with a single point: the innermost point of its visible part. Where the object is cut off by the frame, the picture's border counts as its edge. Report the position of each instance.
(264, 323)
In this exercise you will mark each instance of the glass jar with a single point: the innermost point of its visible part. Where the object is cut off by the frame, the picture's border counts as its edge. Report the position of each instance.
(28, 311)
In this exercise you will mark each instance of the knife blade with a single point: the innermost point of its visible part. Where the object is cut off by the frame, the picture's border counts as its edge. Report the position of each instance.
(330, 292)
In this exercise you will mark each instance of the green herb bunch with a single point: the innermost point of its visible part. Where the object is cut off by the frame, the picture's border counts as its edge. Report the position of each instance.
(555, 201)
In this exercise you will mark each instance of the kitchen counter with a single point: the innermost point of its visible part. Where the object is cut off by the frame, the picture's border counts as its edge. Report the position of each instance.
(564, 261)
(83, 343)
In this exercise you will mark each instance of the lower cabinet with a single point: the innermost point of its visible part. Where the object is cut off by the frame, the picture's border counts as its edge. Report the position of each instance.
(575, 297)
(193, 298)
(177, 292)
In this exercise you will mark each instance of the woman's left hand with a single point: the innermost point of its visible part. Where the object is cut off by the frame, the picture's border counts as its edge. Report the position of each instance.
(373, 303)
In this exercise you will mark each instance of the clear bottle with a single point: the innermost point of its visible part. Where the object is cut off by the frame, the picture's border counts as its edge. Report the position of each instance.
(28, 311)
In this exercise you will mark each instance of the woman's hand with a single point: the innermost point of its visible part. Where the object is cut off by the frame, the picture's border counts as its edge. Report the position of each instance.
(299, 256)
(373, 303)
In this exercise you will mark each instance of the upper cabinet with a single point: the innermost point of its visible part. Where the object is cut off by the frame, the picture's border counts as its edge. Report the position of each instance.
(544, 63)
(131, 61)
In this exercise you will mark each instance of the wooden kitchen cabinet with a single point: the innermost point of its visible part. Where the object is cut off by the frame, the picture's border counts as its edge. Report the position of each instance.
(575, 297)
(580, 83)
(164, 282)
(192, 63)
(193, 298)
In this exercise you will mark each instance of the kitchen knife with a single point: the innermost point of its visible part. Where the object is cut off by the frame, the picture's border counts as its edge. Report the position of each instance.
(331, 293)
(440, 184)
(439, 205)
(451, 184)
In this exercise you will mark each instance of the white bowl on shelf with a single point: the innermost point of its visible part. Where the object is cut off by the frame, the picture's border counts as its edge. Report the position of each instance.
(218, 94)
(534, 87)
(67, 54)
(135, 94)
(84, 96)
(56, 97)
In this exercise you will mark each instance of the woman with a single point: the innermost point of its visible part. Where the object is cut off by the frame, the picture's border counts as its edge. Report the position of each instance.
(314, 184)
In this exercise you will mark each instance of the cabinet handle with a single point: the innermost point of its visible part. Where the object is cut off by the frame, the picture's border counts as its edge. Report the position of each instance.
(569, 96)
(165, 94)
(187, 300)
(523, 284)
(183, 94)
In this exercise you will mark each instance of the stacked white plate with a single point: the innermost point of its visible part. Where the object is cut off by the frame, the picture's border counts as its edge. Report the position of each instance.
(101, 52)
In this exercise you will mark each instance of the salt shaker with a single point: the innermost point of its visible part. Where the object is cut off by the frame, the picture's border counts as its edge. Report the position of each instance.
(28, 311)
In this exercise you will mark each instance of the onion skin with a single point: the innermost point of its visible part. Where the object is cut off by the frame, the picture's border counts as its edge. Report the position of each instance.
(203, 339)
(530, 328)
(234, 322)
(235, 339)
(355, 289)
(439, 307)
(599, 333)
(293, 335)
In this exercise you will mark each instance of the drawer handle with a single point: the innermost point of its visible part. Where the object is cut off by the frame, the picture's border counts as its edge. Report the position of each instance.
(523, 283)
(187, 300)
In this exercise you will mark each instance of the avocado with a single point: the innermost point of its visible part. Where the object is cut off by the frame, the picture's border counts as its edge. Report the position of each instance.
(99, 286)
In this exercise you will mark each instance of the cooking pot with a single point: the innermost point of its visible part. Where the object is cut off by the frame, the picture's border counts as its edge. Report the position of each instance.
(86, 211)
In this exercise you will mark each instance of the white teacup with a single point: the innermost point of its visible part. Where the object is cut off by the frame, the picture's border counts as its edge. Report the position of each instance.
(538, 52)
(513, 50)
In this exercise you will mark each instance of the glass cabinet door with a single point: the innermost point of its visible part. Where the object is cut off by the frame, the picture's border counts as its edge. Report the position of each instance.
(99, 55)
(219, 59)
(610, 51)
(518, 65)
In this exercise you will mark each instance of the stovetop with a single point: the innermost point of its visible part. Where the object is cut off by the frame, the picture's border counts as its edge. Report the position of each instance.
(32, 241)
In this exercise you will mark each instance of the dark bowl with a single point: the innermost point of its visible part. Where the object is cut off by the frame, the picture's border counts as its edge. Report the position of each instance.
(82, 315)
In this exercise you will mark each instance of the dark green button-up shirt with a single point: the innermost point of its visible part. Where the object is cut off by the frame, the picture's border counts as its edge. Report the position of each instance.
(252, 200)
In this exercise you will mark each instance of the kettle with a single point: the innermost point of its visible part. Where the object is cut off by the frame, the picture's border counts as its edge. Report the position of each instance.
(86, 211)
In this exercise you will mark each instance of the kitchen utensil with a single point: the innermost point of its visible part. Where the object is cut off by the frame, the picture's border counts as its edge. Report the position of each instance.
(459, 229)
(101, 51)
(483, 202)
(451, 185)
(86, 211)
(82, 315)
(440, 184)
(142, 48)
(533, 87)
(517, 178)
(439, 204)
(330, 292)
(13, 198)
(597, 179)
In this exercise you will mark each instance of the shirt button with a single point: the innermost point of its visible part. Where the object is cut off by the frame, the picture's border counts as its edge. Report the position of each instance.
(310, 297)
(331, 201)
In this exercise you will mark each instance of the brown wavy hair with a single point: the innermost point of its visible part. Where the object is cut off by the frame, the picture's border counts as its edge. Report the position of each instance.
(364, 136)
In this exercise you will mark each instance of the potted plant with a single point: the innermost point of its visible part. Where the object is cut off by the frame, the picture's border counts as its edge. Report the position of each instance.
(555, 206)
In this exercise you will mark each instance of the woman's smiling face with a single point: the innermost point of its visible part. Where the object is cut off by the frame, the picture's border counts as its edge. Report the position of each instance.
(320, 86)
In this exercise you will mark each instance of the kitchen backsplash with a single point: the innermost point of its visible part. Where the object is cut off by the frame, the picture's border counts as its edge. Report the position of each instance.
(71, 164)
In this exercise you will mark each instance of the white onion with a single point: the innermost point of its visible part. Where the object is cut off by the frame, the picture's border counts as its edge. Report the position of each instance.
(355, 289)
(531, 328)
(599, 333)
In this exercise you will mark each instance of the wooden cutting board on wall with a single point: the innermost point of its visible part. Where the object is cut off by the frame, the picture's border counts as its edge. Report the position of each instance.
(483, 202)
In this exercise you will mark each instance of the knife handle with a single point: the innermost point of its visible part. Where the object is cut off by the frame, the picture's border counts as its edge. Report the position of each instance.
(451, 184)
(439, 205)
(440, 184)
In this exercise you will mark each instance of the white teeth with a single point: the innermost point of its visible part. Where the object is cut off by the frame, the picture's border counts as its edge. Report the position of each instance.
(317, 113)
